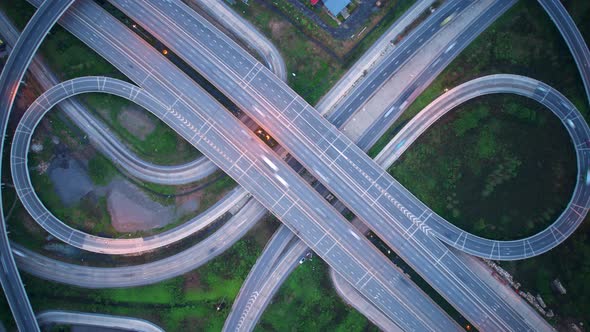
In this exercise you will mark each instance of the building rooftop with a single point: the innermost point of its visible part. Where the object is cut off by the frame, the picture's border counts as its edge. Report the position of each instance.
(336, 6)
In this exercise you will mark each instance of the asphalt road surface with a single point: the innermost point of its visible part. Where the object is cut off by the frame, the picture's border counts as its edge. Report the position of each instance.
(246, 32)
(44, 217)
(371, 58)
(53, 267)
(242, 317)
(103, 137)
(119, 323)
(422, 80)
(357, 301)
(334, 160)
(290, 206)
(144, 274)
(18, 61)
(577, 208)
(404, 51)
(569, 121)
(573, 38)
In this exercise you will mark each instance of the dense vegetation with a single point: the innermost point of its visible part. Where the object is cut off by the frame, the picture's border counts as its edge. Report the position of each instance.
(316, 59)
(503, 166)
(305, 294)
(488, 168)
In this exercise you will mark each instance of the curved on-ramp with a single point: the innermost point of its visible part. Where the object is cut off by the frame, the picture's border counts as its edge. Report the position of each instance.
(18, 61)
(76, 238)
(578, 130)
(582, 65)
(573, 38)
(279, 257)
(447, 102)
(148, 273)
(97, 320)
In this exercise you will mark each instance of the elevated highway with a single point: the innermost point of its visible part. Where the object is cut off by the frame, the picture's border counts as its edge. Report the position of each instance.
(103, 137)
(32, 203)
(16, 65)
(278, 259)
(404, 51)
(357, 301)
(246, 32)
(32, 269)
(242, 316)
(493, 84)
(263, 93)
(577, 208)
(380, 52)
(573, 38)
(439, 59)
(96, 320)
(318, 147)
(574, 125)
(137, 70)
(148, 273)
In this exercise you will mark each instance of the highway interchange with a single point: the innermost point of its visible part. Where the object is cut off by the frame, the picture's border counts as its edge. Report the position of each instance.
(103, 138)
(103, 48)
(140, 71)
(324, 152)
(41, 267)
(32, 203)
(579, 127)
(289, 261)
(422, 80)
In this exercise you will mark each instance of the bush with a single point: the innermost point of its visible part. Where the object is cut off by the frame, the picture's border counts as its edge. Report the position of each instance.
(101, 170)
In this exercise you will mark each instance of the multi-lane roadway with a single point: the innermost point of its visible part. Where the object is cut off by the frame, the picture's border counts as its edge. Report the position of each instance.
(144, 274)
(417, 84)
(266, 186)
(325, 152)
(404, 51)
(571, 121)
(573, 38)
(102, 137)
(246, 32)
(242, 309)
(32, 269)
(379, 52)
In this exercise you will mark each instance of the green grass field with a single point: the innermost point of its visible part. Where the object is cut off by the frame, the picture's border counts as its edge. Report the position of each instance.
(307, 302)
